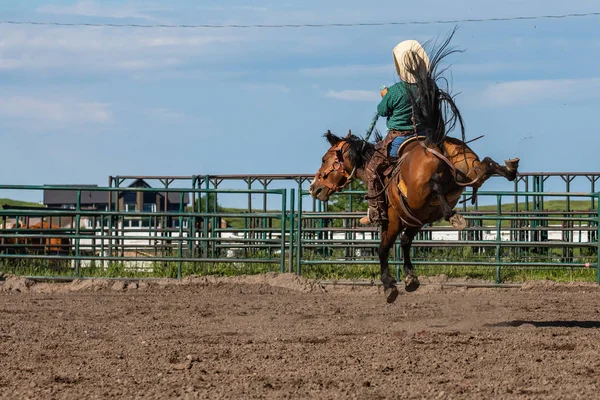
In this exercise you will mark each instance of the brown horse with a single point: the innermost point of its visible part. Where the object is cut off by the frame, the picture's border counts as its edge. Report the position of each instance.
(428, 178)
(36, 245)
(49, 245)
(8, 245)
(425, 190)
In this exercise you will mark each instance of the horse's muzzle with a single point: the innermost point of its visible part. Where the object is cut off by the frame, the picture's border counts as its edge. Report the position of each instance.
(318, 191)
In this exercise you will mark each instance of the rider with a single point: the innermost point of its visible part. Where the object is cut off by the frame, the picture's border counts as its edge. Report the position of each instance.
(396, 105)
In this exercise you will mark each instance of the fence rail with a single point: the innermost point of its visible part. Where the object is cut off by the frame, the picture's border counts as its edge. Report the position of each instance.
(289, 231)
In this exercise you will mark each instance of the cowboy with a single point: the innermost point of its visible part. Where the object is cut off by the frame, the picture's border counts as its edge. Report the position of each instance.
(396, 106)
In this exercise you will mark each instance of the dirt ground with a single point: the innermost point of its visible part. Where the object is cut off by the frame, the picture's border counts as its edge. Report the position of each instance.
(280, 336)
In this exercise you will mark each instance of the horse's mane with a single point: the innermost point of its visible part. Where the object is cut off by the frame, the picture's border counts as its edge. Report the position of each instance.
(360, 151)
(433, 103)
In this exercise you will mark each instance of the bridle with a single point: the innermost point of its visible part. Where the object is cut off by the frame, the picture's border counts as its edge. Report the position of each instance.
(337, 166)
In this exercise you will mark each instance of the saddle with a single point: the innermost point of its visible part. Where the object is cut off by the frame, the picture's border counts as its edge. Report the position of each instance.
(401, 149)
(402, 187)
(407, 142)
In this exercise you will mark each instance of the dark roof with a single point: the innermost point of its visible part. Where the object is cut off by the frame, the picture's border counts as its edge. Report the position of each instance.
(172, 197)
(140, 183)
(89, 197)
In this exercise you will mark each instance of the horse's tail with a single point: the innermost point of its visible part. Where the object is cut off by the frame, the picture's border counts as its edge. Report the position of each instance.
(433, 105)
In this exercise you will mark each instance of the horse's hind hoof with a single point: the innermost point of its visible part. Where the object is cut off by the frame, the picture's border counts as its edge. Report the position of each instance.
(512, 164)
(391, 294)
(411, 283)
(458, 222)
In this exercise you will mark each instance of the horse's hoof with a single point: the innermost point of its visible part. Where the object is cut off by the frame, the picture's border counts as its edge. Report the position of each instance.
(458, 221)
(391, 294)
(512, 164)
(411, 283)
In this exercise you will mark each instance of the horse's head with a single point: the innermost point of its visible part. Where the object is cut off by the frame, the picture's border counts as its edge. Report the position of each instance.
(338, 167)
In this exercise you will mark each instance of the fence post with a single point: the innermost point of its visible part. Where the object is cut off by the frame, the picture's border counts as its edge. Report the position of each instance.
(498, 237)
(291, 230)
(597, 240)
(205, 243)
(180, 250)
(283, 229)
(299, 233)
(77, 232)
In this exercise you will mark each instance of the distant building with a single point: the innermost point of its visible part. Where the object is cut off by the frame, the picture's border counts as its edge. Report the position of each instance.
(127, 201)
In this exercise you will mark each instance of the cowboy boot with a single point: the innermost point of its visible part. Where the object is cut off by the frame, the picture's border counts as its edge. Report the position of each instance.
(372, 214)
(369, 218)
(377, 211)
(374, 190)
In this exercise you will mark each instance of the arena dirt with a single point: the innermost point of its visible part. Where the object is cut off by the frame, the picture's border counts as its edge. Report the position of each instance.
(281, 336)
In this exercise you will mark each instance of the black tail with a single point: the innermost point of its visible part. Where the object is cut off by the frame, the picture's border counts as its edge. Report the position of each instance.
(433, 105)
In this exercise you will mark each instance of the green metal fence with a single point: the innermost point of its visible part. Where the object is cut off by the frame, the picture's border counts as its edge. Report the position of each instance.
(101, 239)
(290, 231)
(502, 237)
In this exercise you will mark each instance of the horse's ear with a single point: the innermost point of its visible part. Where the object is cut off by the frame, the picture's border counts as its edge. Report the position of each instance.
(349, 134)
(331, 138)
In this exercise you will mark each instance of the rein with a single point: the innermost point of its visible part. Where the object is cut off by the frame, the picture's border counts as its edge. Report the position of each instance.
(337, 166)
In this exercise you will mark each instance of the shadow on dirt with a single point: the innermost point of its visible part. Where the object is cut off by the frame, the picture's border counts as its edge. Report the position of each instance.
(546, 324)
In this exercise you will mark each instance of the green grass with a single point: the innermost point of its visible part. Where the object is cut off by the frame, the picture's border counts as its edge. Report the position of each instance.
(485, 271)
(507, 274)
(34, 267)
(370, 272)
(11, 202)
(238, 223)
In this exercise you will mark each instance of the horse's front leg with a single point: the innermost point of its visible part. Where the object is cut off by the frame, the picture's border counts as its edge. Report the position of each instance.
(389, 233)
(411, 282)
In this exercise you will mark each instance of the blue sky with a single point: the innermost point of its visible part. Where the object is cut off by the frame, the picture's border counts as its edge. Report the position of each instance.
(79, 104)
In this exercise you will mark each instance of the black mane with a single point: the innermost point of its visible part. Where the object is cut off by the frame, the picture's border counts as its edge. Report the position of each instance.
(433, 103)
(360, 151)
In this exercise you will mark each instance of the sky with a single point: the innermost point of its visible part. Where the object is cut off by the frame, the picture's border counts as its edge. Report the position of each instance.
(81, 103)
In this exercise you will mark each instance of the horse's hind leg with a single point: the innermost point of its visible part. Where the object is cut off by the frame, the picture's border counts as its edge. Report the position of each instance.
(491, 167)
(410, 277)
(467, 162)
(436, 189)
(457, 220)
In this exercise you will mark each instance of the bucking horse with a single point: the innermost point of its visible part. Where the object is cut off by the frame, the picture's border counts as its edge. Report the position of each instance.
(430, 175)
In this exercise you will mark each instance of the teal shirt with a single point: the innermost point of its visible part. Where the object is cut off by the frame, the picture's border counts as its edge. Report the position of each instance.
(396, 106)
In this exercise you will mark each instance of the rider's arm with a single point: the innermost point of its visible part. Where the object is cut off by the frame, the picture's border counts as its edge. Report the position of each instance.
(384, 109)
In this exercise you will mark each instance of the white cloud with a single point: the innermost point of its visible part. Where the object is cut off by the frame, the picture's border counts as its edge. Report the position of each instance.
(354, 95)
(348, 71)
(532, 91)
(89, 8)
(189, 74)
(54, 111)
(233, 8)
(492, 67)
(101, 49)
(272, 87)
